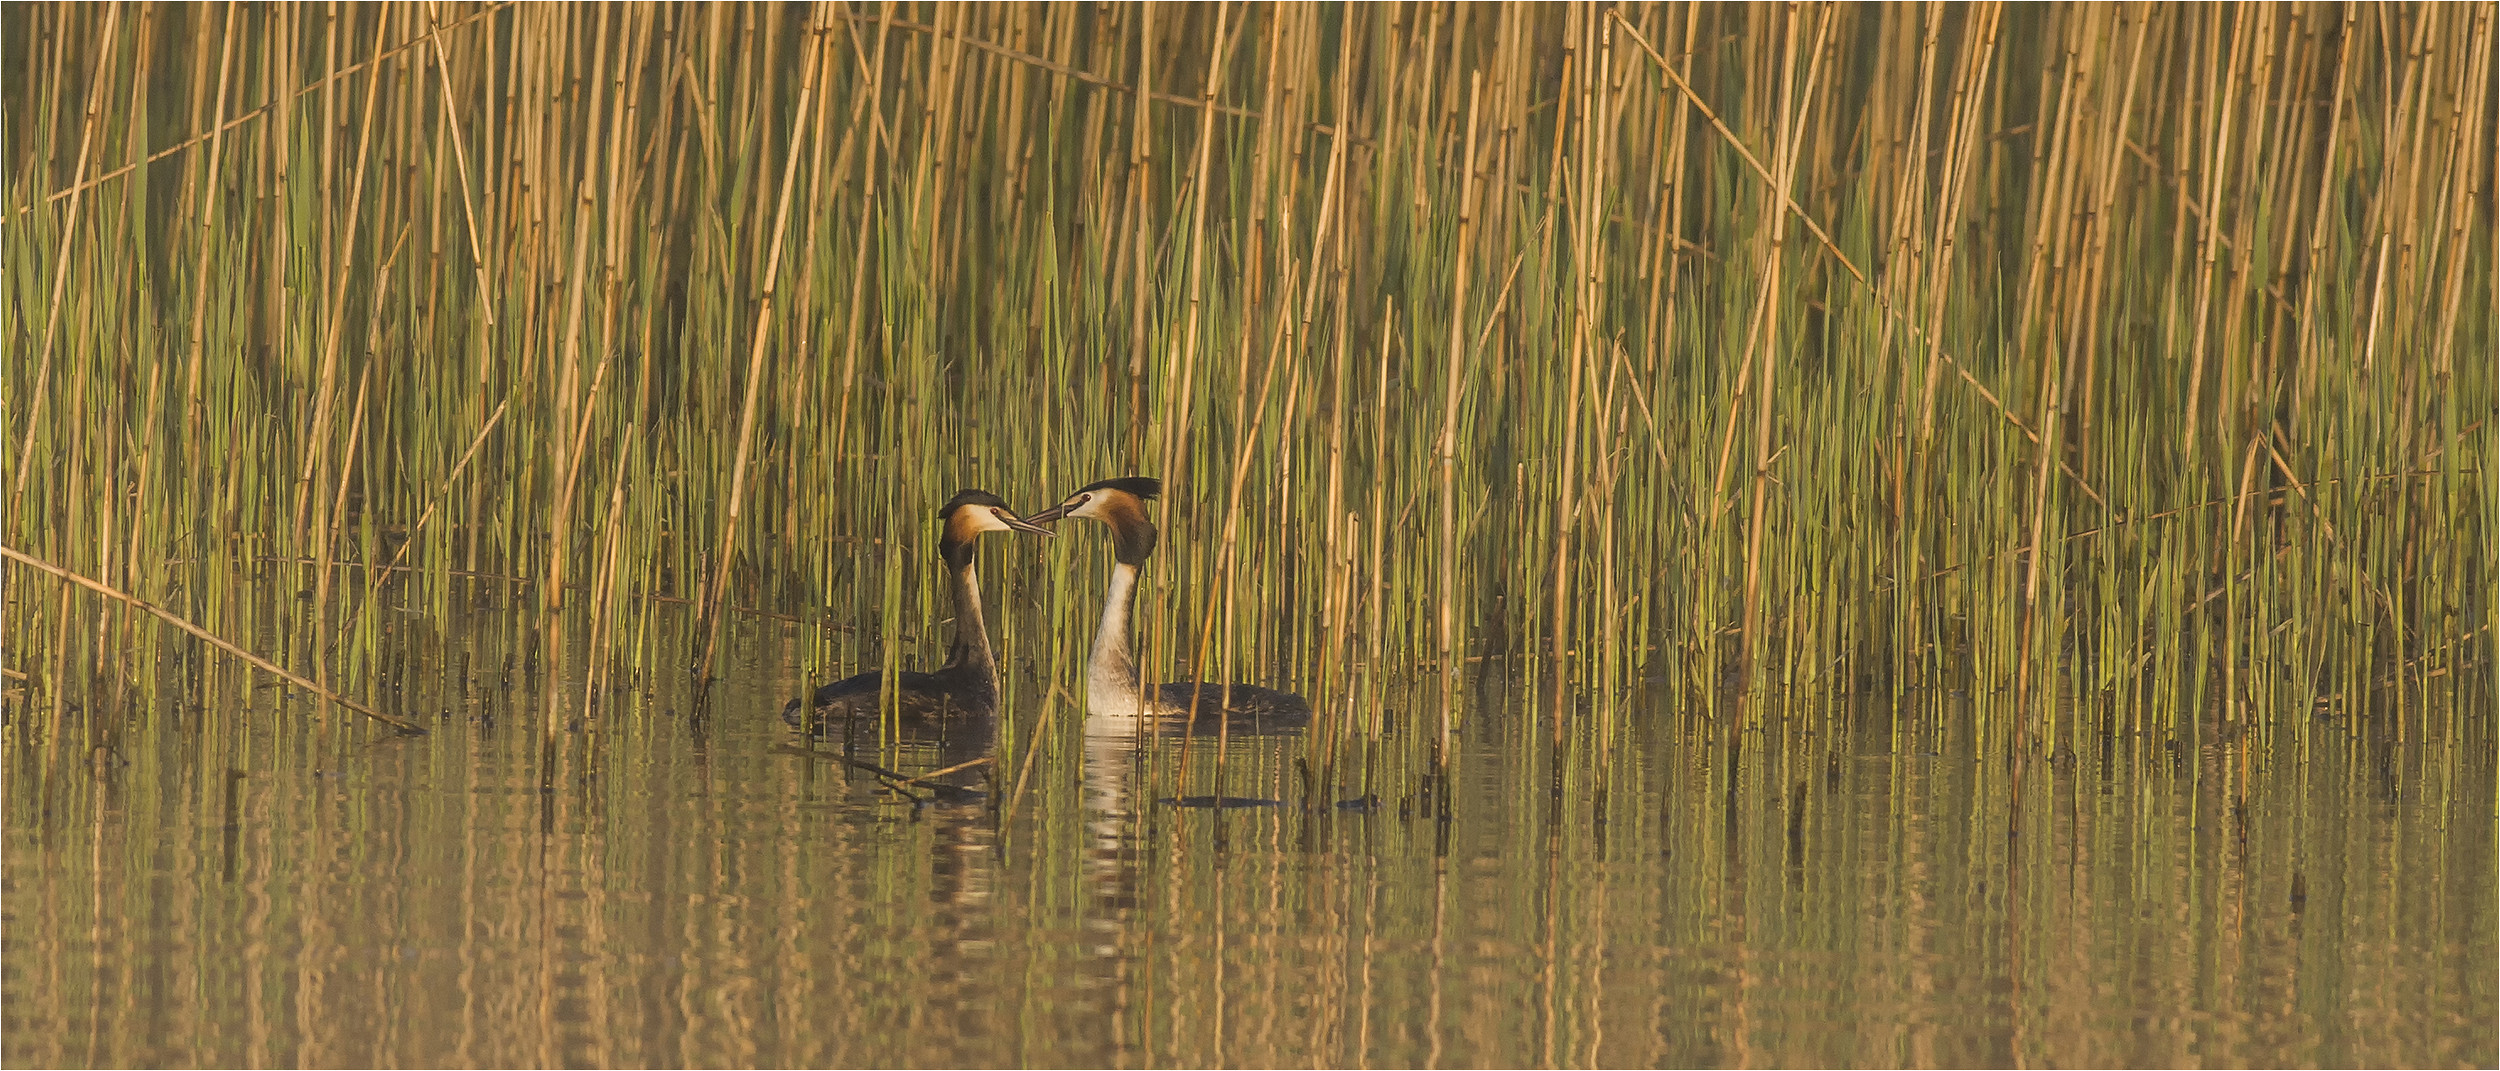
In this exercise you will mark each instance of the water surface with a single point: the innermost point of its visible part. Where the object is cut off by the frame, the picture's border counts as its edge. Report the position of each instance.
(1847, 887)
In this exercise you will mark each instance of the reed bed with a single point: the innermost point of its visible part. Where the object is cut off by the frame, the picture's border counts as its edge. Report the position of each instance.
(2131, 366)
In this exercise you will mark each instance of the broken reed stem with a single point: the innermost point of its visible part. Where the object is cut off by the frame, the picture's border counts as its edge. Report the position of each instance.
(91, 117)
(460, 162)
(176, 620)
(1446, 450)
(1926, 336)
(1587, 193)
(727, 551)
(1773, 260)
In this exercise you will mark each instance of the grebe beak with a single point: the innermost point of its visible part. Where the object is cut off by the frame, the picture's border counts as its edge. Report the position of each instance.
(1044, 517)
(1025, 524)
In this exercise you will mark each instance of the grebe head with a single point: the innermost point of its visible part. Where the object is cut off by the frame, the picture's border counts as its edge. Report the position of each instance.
(971, 512)
(1119, 503)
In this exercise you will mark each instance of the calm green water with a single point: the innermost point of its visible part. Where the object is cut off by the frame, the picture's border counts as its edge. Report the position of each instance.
(1839, 888)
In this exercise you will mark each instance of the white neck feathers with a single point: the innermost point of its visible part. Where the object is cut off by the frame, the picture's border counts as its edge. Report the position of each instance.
(1111, 677)
(972, 633)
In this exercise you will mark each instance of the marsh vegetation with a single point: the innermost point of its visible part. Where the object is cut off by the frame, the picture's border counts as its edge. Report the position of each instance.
(1577, 381)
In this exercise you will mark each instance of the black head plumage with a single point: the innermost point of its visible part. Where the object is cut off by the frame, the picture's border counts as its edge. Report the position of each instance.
(1144, 487)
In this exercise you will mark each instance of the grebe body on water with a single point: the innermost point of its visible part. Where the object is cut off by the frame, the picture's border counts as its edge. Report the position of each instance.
(1112, 696)
(967, 684)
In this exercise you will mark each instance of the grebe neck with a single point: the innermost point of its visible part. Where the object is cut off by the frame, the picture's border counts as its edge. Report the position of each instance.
(972, 634)
(1110, 676)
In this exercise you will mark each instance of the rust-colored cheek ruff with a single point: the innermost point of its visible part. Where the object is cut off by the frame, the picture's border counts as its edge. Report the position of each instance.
(1133, 536)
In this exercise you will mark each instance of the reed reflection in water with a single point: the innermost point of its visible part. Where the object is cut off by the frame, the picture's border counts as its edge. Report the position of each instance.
(1845, 888)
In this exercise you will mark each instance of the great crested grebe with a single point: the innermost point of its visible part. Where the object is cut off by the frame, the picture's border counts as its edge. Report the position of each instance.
(1111, 688)
(968, 682)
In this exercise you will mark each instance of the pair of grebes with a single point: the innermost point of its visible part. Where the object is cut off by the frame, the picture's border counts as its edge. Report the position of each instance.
(968, 683)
